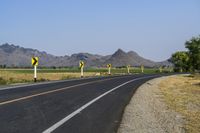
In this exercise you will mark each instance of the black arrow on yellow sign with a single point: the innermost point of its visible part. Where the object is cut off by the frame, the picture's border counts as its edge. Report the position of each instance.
(35, 61)
(109, 65)
(81, 65)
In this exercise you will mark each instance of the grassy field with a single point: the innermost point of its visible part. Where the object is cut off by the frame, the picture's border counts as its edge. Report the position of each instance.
(182, 94)
(11, 76)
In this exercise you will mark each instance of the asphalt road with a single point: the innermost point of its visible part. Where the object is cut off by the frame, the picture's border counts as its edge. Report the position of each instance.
(93, 105)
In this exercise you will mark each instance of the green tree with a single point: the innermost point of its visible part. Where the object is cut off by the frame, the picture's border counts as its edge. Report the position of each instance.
(193, 47)
(181, 61)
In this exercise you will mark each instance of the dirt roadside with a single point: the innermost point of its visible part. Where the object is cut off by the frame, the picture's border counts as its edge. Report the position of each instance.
(149, 112)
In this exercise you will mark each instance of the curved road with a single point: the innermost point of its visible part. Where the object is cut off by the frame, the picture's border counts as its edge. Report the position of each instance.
(93, 105)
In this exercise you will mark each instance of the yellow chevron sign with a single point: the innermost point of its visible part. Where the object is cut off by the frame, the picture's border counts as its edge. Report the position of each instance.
(35, 61)
(109, 65)
(81, 64)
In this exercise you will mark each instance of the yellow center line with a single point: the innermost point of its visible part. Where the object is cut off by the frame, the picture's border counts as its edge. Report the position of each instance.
(48, 92)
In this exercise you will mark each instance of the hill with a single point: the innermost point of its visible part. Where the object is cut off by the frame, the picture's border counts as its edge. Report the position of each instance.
(16, 56)
(120, 58)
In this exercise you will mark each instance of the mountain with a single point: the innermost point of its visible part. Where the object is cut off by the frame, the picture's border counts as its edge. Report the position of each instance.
(11, 55)
(89, 59)
(120, 58)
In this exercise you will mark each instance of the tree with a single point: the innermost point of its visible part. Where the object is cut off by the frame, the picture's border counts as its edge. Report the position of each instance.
(193, 47)
(181, 61)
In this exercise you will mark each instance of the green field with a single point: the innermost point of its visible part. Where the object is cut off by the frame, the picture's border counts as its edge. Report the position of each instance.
(12, 76)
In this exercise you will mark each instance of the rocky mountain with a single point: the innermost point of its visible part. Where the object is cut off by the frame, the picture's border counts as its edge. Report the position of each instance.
(120, 58)
(11, 55)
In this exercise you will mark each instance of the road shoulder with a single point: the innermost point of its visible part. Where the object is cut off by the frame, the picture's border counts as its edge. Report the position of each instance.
(148, 113)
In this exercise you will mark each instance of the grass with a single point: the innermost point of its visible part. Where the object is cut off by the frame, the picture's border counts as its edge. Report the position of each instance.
(11, 76)
(182, 94)
(90, 69)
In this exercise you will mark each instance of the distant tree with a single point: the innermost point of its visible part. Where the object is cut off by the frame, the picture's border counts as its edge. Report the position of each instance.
(4, 66)
(53, 67)
(181, 61)
(193, 47)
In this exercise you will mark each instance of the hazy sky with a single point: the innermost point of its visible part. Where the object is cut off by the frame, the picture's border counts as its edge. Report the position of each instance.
(153, 28)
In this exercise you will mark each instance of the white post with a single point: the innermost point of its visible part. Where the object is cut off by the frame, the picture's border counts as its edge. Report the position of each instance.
(109, 70)
(160, 69)
(81, 72)
(35, 73)
(128, 69)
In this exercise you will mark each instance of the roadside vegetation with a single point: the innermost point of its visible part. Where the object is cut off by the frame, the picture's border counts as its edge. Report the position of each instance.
(26, 76)
(13, 76)
(188, 61)
(182, 94)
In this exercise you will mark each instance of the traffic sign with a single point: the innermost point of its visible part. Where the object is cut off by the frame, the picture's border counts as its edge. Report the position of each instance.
(109, 65)
(35, 61)
(35, 64)
(81, 64)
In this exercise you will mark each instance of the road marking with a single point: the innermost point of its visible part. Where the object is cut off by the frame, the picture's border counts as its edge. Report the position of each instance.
(61, 122)
(52, 91)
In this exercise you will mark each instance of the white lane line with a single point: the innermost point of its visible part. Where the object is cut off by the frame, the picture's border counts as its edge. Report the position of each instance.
(61, 122)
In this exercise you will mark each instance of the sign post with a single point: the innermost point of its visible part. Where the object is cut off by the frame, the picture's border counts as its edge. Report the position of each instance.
(81, 65)
(142, 68)
(35, 64)
(128, 67)
(160, 68)
(109, 68)
(35, 73)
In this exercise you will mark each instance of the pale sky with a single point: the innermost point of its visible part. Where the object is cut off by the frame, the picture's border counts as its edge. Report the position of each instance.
(152, 28)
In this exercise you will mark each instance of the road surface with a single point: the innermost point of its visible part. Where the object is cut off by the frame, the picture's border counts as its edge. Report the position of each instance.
(93, 105)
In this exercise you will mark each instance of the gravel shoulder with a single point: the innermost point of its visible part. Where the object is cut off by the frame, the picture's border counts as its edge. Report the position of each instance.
(148, 113)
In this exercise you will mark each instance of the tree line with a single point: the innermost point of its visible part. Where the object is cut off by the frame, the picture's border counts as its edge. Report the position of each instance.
(188, 61)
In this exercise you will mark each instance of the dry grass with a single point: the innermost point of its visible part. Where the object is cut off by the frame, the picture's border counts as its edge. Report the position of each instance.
(10, 77)
(182, 94)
